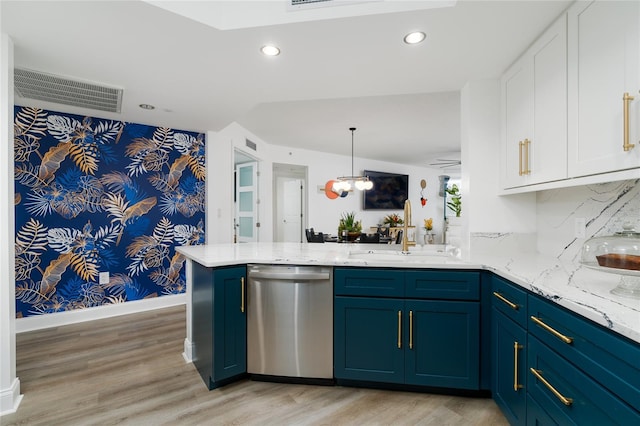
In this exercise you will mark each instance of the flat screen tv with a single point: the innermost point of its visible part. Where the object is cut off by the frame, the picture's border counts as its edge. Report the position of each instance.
(389, 192)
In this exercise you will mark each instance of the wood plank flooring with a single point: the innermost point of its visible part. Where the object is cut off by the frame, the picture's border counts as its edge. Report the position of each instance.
(129, 370)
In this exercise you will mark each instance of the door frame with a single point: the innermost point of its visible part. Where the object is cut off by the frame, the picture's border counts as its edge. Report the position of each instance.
(296, 172)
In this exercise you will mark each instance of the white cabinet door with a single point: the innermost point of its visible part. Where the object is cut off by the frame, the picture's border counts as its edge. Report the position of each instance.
(603, 52)
(534, 102)
(517, 109)
(548, 144)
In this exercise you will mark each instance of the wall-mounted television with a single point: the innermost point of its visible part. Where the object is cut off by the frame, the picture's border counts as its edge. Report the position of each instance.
(389, 192)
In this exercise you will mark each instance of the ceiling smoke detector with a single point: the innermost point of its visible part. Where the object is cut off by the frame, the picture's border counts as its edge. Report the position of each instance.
(62, 90)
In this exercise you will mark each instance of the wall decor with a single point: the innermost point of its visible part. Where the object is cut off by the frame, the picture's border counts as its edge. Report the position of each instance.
(99, 196)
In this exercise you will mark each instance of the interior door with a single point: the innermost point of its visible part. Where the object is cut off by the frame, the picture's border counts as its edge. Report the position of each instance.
(246, 202)
(289, 209)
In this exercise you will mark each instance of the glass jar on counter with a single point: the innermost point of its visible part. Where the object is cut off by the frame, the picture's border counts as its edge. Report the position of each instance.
(618, 254)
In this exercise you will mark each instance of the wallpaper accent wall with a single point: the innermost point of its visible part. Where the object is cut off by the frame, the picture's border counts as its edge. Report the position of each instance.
(95, 195)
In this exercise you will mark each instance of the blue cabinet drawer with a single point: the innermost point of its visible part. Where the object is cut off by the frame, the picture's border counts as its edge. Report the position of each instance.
(510, 300)
(368, 282)
(611, 360)
(568, 395)
(449, 285)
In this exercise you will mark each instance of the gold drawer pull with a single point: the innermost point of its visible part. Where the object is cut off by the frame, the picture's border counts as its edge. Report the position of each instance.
(242, 294)
(505, 300)
(516, 348)
(527, 170)
(520, 146)
(399, 329)
(626, 98)
(565, 339)
(410, 329)
(566, 401)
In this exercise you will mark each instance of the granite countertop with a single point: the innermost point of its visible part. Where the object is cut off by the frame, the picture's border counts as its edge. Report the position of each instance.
(574, 286)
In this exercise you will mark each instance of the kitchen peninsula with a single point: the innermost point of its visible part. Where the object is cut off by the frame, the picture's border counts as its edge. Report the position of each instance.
(541, 296)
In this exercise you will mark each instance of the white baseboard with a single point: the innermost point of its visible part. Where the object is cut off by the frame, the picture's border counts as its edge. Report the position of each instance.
(57, 319)
(10, 398)
(188, 350)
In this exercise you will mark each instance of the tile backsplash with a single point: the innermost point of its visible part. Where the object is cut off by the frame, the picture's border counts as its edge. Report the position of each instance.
(605, 208)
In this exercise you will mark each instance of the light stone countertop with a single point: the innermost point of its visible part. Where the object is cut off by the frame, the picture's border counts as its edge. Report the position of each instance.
(576, 287)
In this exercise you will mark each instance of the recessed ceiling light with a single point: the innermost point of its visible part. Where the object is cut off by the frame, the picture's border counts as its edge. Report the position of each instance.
(270, 50)
(146, 106)
(414, 37)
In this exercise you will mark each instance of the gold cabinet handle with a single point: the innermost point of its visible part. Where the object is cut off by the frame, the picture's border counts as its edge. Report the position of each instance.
(527, 170)
(242, 294)
(626, 99)
(399, 329)
(516, 348)
(410, 329)
(566, 401)
(520, 145)
(505, 300)
(565, 339)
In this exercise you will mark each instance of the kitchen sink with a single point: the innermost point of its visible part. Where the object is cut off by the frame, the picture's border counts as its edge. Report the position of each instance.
(436, 255)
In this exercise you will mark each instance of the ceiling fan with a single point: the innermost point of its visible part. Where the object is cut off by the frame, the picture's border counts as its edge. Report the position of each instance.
(444, 163)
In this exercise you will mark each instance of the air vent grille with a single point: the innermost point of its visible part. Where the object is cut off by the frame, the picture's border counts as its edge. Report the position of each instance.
(52, 88)
(251, 145)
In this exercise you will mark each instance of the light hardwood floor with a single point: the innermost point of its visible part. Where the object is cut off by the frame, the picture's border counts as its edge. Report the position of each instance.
(130, 370)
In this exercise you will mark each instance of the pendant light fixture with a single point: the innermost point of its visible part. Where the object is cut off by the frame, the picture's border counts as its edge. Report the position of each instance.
(344, 184)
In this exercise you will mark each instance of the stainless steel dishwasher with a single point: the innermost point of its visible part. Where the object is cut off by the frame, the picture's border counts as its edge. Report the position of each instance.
(290, 321)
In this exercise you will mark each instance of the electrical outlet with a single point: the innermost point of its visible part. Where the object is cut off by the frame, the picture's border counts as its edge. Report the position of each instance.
(579, 226)
(104, 278)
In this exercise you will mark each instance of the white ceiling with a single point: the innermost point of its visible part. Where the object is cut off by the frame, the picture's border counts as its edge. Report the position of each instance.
(340, 66)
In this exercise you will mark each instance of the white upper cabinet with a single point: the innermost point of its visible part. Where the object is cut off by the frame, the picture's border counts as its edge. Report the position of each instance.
(603, 52)
(534, 112)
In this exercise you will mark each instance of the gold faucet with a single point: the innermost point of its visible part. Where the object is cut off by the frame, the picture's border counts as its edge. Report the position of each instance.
(407, 220)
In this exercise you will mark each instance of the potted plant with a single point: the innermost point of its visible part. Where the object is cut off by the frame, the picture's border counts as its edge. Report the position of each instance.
(455, 204)
(393, 220)
(349, 224)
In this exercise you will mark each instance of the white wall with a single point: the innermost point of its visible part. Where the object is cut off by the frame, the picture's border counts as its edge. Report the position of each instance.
(483, 208)
(9, 384)
(323, 213)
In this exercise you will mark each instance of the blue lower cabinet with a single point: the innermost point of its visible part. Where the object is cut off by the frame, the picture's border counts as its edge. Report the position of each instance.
(442, 344)
(509, 366)
(219, 323)
(230, 324)
(536, 416)
(426, 343)
(368, 339)
(569, 395)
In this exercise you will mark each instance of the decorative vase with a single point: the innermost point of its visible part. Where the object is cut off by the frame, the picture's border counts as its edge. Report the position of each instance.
(428, 237)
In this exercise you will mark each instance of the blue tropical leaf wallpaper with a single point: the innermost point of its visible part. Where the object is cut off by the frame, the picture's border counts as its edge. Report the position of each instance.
(95, 195)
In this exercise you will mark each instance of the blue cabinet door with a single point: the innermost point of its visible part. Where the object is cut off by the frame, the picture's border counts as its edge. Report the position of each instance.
(368, 342)
(509, 365)
(442, 343)
(229, 324)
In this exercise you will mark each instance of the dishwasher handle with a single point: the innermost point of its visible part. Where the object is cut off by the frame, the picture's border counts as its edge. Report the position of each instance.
(290, 276)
